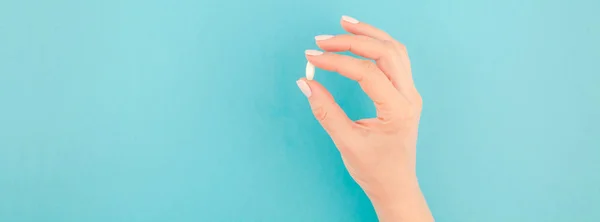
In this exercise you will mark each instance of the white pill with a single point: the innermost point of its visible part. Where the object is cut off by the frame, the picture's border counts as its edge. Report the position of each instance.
(310, 71)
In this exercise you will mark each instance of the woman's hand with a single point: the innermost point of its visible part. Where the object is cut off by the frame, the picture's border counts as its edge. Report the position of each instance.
(379, 153)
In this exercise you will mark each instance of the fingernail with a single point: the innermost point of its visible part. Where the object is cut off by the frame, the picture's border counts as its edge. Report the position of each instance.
(304, 88)
(313, 52)
(323, 37)
(349, 19)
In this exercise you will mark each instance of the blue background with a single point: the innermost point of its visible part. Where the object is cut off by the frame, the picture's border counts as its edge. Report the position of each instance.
(188, 110)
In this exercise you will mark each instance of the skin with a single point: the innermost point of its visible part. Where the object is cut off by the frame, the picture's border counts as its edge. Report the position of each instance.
(379, 153)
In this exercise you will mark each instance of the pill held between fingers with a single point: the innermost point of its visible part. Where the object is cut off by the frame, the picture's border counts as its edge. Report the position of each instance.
(310, 71)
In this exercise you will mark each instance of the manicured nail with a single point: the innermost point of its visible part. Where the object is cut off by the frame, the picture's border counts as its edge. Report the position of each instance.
(349, 19)
(313, 52)
(323, 37)
(304, 88)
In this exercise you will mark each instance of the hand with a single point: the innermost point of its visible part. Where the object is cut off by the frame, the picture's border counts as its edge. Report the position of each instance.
(379, 153)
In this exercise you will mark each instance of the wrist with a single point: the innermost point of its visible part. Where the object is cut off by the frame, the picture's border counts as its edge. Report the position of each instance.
(402, 202)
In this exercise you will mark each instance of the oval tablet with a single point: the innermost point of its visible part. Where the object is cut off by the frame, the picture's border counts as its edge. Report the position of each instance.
(310, 71)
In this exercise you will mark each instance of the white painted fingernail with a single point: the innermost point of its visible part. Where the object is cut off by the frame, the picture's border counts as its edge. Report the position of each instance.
(349, 19)
(304, 88)
(313, 52)
(323, 37)
(310, 71)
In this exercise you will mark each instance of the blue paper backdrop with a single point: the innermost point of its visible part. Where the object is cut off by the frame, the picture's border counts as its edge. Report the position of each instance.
(187, 110)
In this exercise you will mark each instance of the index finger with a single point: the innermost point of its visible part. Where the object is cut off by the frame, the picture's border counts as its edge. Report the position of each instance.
(388, 101)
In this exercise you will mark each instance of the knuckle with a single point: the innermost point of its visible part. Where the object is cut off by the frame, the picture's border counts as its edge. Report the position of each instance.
(390, 52)
(371, 71)
(393, 48)
(401, 47)
(390, 48)
(415, 107)
(369, 66)
(396, 46)
(320, 113)
(419, 100)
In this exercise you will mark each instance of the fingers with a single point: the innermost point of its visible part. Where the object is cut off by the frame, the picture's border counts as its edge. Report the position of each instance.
(374, 83)
(331, 116)
(356, 27)
(353, 26)
(386, 56)
(358, 44)
(390, 55)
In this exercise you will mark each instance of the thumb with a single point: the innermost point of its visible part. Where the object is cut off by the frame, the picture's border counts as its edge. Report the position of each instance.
(331, 116)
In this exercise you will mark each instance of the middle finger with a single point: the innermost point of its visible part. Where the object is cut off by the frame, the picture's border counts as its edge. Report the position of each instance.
(386, 56)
